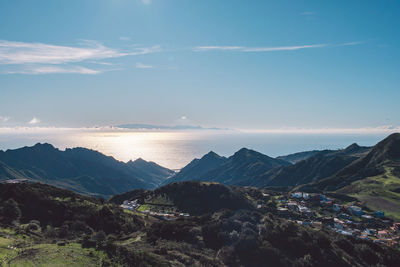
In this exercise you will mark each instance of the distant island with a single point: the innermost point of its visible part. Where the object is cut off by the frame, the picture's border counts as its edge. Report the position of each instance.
(166, 127)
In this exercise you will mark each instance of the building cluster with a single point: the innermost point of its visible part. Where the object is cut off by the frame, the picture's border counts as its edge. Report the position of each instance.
(134, 205)
(317, 210)
(130, 205)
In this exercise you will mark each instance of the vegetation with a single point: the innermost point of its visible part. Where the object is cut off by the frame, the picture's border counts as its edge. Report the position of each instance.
(381, 192)
(229, 233)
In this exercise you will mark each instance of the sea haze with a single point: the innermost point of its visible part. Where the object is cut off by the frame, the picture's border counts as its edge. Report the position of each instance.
(174, 149)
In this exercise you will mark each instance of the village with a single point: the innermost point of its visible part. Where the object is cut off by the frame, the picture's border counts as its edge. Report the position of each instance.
(312, 210)
(167, 216)
(317, 210)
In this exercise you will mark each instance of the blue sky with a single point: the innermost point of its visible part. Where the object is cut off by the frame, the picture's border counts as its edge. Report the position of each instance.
(236, 64)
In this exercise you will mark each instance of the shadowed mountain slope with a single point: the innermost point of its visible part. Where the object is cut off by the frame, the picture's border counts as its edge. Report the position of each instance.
(197, 168)
(299, 156)
(319, 166)
(79, 169)
(385, 154)
(239, 169)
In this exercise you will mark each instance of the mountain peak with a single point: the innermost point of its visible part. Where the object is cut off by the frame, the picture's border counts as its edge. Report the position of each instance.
(390, 146)
(352, 147)
(43, 146)
(139, 160)
(211, 155)
(245, 152)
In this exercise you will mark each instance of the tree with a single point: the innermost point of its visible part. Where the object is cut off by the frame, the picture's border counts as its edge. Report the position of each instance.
(9, 211)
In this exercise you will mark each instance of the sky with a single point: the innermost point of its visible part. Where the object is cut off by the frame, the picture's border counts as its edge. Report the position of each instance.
(227, 63)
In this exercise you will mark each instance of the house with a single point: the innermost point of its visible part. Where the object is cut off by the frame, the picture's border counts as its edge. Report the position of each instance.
(383, 234)
(316, 224)
(379, 214)
(369, 231)
(345, 216)
(366, 217)
(357, 211)
(336, 207)
(338, 224)
(323, 198)
(291, 205)
(283, 211)
(297, 195)
(326, 202)
(345, 232)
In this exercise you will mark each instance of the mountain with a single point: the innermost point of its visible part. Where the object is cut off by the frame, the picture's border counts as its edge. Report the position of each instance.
(296, 157)
(197, 168)
(239, 169)
(373, 179)
(153, 173)
(79, 169)
(384, 155)
(314, 168)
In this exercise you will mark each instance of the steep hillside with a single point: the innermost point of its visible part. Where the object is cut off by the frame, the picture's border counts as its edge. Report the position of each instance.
(319, 166)
(151, 172)
(79, 169)
(238, 169)
(197, 168)
(374, 179)
(299, 156)
(242, 167)
(385, 153)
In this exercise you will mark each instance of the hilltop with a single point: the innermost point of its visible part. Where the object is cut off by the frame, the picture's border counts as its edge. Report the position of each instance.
(82, 170)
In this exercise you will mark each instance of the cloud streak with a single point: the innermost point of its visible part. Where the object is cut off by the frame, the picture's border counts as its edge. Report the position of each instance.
(4, 119)
(37, 58)
(34, 121)
(265, 48)
(143, 66)
(362, 130)
(36, 70)
(39, 53)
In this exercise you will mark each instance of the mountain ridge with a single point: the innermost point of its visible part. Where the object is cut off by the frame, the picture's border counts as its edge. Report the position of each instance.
(80, 169)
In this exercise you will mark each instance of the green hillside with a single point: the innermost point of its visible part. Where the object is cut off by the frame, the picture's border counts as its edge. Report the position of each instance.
(41, 225)
(381, 192)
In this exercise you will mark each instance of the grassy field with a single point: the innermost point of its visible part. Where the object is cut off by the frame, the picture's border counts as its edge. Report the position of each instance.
(20, 251)
(378, 192)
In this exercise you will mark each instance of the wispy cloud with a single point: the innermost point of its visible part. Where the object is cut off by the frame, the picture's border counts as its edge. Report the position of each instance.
(351, 43)
(307, 13)
(34, 121)
(143, 66)
(32, 53)
(125, 38)
(4, 119)
(146, 2)
(55, 69)
(294, 130)
(35, 55)
(264, 48)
